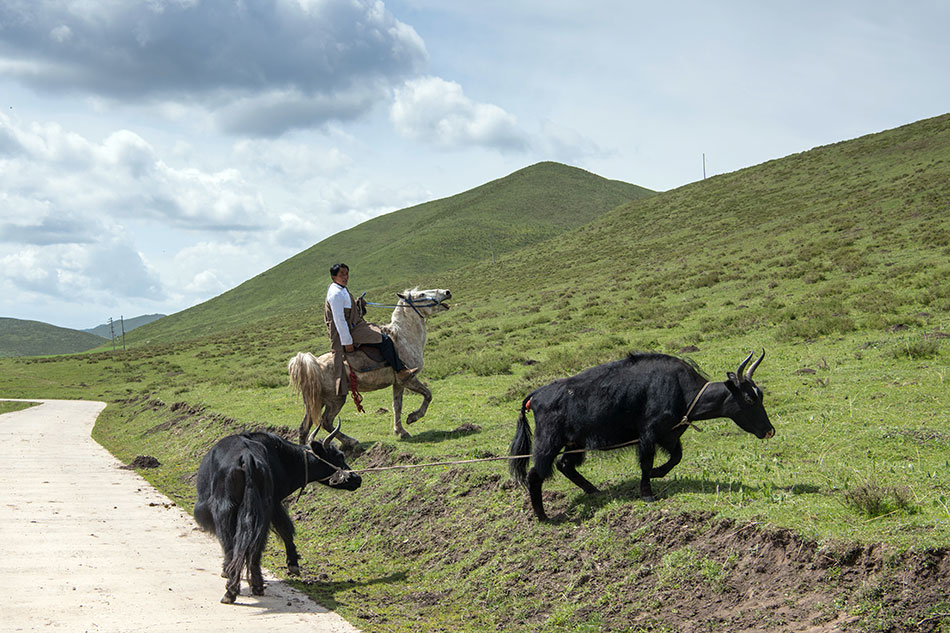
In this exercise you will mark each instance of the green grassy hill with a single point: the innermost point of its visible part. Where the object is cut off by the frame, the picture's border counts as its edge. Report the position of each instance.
(833, 260)
(514, 212)
(32, 338)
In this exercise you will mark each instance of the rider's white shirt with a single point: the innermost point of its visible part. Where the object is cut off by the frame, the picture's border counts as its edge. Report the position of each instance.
(339, 299)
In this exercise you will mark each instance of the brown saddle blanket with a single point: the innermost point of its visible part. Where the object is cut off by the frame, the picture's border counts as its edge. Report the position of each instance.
(365, 358)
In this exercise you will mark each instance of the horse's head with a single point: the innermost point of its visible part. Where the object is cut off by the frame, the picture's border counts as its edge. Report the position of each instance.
(425, 302)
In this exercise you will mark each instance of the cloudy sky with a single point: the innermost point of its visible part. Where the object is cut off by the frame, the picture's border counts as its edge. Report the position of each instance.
(155, 153)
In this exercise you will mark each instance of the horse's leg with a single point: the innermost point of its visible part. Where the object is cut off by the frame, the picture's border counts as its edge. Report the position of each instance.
(332, 408)
(312, 404)
(305, 425)
(417, 386)
(398, 391)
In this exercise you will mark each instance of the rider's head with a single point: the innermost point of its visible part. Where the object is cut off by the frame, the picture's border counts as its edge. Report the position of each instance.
(340, 273)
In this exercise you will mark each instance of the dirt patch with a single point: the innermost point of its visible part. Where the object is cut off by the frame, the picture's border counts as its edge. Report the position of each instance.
(688, 573)
(382, 455)
(142, 461)
(748, 577)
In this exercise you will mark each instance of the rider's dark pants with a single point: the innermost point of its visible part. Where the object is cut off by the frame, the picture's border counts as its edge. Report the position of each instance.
(388, 350)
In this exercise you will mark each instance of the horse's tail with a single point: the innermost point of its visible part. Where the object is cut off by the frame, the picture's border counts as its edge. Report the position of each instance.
(520, 448)
(304, 373)
(249, 488)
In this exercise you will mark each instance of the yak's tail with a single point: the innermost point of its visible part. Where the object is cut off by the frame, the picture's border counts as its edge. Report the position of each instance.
(304, 373)
(520, 448)
(249, 489)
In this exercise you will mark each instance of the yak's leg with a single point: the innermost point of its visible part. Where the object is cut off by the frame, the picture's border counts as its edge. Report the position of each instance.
(398, 391)
(255, 577)
(534, 492)
(568, 464)
(647, 453)
(285, 530)
(675, 450)
(541, 470)
(332, 407)
(233, 587)
(416, 386)
(305, 425)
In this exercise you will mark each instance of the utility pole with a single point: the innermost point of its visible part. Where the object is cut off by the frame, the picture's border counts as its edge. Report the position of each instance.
(704, 165)
(122, 323)
(112, 333)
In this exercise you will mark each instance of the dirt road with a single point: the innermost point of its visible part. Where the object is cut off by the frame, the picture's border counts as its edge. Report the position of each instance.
(86, 546)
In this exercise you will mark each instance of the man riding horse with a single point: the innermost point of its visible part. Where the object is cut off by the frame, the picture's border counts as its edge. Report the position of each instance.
(347, 329)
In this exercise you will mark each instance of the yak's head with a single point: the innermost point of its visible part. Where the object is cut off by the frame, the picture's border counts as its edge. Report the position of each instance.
(746, 408)
(328, 466)
(425, 302)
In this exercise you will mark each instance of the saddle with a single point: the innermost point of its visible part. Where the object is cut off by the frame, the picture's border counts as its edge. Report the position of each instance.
(364, 359)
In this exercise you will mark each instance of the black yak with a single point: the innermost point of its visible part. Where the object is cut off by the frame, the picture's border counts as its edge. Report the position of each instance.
(241, 483)
(647, 399)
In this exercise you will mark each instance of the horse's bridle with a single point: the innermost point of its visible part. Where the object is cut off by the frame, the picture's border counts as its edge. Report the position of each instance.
(430, 303)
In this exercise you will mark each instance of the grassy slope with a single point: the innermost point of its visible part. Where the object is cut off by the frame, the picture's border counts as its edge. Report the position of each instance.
(833, 260)
(524, 208)
(32, 338)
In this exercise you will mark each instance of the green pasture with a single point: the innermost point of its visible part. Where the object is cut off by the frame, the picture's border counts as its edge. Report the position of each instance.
(833, 261)
(10, 407)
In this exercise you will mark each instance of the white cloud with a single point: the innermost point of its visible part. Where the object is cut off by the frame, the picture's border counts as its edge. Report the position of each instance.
(122, 177)
(109, 271)
(263, 67)
(433, 110)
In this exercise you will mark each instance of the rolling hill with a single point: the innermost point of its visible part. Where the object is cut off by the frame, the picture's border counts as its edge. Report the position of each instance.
(20, 337)
(515, 212)
(105, 331)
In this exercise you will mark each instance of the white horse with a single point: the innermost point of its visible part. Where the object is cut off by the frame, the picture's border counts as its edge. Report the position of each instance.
(315, 379)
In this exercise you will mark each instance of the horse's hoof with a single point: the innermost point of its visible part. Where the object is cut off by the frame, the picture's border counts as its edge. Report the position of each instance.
(293, 570)
(258, 591)
(403, 434)
(649, 499)
(228, 598)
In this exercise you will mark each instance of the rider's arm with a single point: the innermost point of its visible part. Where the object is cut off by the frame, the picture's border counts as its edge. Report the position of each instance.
(337, 305)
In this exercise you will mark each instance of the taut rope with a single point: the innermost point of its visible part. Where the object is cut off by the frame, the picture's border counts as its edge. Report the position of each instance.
(485, 459)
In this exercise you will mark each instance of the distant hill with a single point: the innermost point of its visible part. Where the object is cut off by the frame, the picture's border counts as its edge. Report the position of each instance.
(525, 208)
(33, 338)
(804, 240)
(106, 331)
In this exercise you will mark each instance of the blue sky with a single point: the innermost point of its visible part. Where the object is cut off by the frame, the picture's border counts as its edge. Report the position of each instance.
(156, 153)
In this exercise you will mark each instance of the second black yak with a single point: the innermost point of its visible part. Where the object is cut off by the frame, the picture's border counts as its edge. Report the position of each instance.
(647, 399)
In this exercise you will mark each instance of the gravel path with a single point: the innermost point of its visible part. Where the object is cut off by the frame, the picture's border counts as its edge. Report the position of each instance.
(87, 546)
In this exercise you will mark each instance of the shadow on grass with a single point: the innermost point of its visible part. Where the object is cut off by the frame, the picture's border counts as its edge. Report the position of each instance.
(441, 436)
(324, 592)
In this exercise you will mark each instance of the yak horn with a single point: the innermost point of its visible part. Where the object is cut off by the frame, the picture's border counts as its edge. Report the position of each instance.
(333, 433)
(754, 365)
(742, 366)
